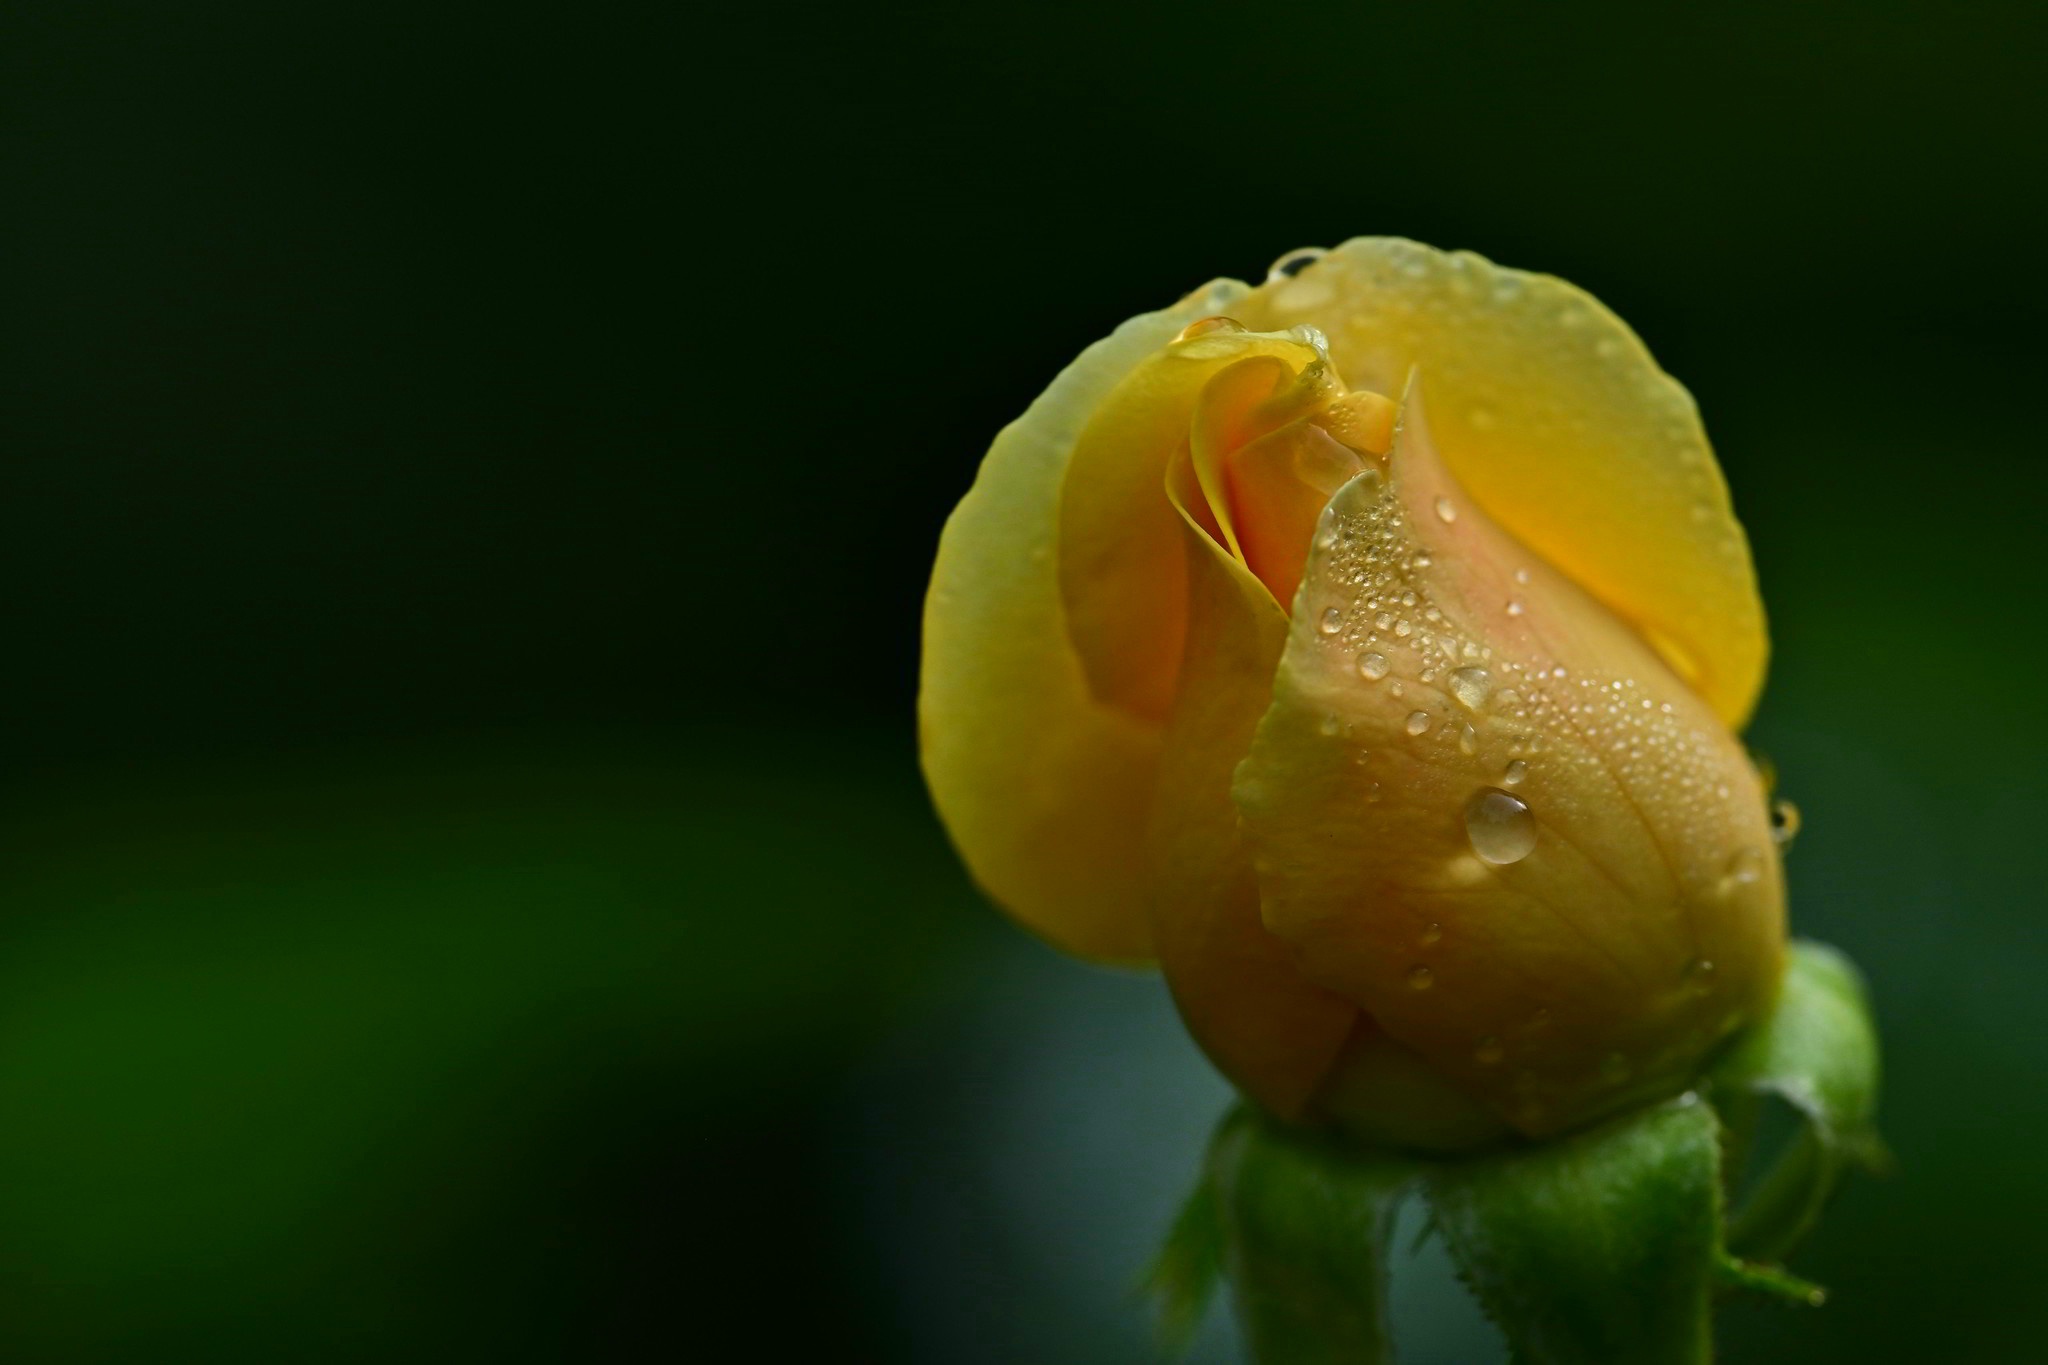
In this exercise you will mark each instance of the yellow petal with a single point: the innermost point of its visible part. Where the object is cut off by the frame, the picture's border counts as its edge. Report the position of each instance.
(1122, 574)
(1265, 1026)
(1485, 811)
(1045, 789)
(1554, 416)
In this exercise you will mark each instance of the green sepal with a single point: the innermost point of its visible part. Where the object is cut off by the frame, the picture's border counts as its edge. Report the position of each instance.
(1818, 1053)
(1596, 1248)
(1770, 1280)
(1184, 1277)
(1305, 1225)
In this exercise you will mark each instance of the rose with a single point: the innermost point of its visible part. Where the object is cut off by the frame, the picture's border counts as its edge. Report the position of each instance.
(1403, 740)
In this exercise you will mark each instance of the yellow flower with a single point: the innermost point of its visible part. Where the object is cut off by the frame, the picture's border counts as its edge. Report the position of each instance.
(1402, 739)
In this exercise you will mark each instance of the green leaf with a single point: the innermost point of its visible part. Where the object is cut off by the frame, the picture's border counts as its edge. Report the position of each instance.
(1597, 1248)
(1818, 1053)
(1306, 1225)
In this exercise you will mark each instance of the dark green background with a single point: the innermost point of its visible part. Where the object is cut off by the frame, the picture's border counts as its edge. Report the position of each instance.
(468, 476)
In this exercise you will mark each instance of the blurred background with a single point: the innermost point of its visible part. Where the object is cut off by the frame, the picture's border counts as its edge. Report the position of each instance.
(469, 474)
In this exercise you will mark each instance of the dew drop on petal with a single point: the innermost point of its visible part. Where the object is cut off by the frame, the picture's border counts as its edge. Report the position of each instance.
(1331, 621)
(1699, 974)
(1515, 772)
(1471, 686)
(1784, 822)
(1432, 934)
(1514, 607)
(1372, 665)
(1202, 327)
(1446, 511)
(1420, 978)
(1500, 826)
(1418, 722)
(1293, 263)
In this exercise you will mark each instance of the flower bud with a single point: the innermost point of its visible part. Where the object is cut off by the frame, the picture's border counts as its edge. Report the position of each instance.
(1366, 649)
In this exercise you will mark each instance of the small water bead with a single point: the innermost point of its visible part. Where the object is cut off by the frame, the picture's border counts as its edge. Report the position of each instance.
(1421, 560)
(1784, 822)
(1468, 740)
(1514, 607)
(1489, 1052)
(1515, 772)
(1432, 934)
(1418, 722)
(1408, 599)
(1699, 974)
(1202, 327)
(1331, 622)
(1373, 665)
(1746, 867)
(1420, 978)
(1522, 576)
(1500, 826)
(1446, 511)
(1471, 686)
(1332, 726)
(1293, 263)
(1403, 629)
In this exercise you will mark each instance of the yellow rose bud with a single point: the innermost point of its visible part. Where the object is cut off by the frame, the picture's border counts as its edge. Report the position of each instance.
(1400, 733)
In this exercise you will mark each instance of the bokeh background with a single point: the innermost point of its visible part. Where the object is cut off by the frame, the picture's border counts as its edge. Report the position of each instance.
(469, 472)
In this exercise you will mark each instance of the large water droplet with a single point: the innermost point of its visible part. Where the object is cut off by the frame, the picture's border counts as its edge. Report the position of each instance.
(1420, 978)
(1331, 621)
(1293, 263)
(1471, 686)
(1516, 771)
(1372, 665)
(1446, 510)
(1202, 327)
(1418, 721)
(1500, 826)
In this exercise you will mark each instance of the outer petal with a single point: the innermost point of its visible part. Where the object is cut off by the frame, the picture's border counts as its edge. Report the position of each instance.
(1045, 789)
(1433, 661)
(1263, 1024)
(1552, 412)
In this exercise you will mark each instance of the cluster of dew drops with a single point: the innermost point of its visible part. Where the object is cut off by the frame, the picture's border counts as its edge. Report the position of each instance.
(1496, 710)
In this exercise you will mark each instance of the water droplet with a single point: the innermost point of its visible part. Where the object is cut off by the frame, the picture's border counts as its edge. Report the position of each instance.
(1202, 327)
(1784, 822)
(1332, 620)
(1373, 665)
(1746, 867)
(1468, 740)
(1418, 721)
(1499, 825)
(1293, 263)
(1445, 511)
(1522, 576)
(1514, 607)
(1699, 974)
(1421, 560)
(1385, 620)
(1420, 978)
(1332, 726)
(1489, 1052)
(1516, 771)
(1403, 629)
(1432, 934)
(1471, 686)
